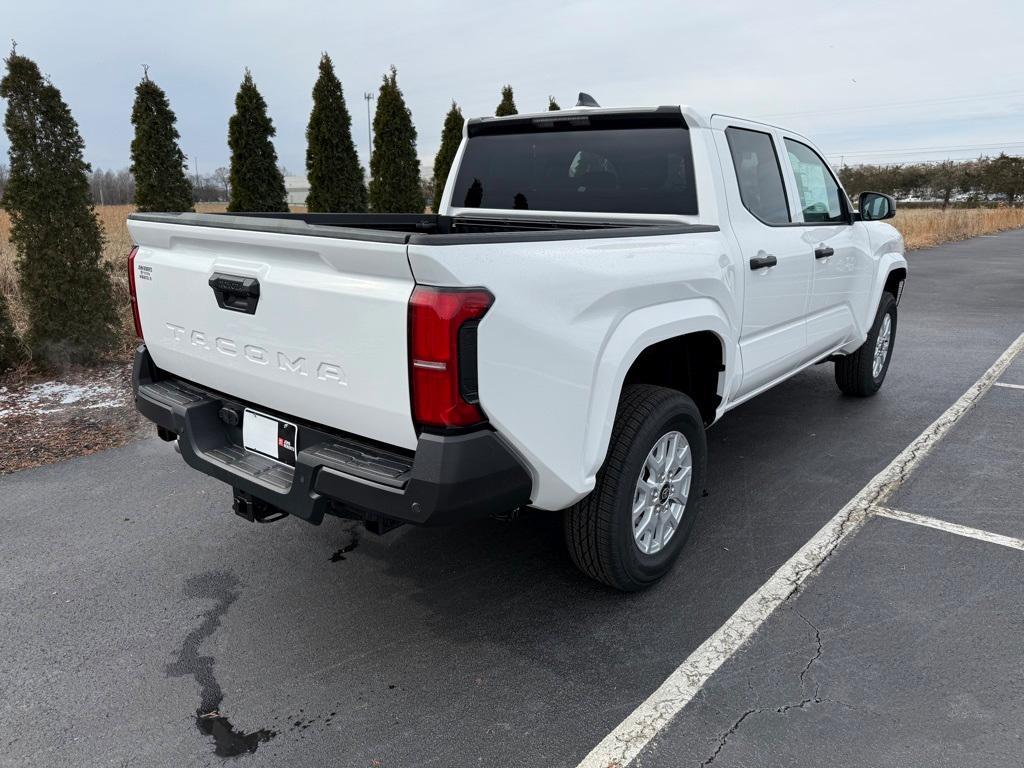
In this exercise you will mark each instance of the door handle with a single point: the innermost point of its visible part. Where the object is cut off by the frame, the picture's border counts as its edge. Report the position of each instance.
(824, 252)
(239, 294)
(760, 262)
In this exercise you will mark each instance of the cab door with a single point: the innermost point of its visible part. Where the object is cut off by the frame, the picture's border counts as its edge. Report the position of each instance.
(843, 266)
(777, 261)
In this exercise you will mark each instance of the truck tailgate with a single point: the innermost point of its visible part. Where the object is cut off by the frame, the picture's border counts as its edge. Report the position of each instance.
(312, 327)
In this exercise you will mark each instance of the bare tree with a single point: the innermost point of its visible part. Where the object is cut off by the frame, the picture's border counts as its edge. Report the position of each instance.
(207, 189)
(112, 187)
(223, 177)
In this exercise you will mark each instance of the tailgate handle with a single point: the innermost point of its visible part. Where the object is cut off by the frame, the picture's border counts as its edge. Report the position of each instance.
(234, 292)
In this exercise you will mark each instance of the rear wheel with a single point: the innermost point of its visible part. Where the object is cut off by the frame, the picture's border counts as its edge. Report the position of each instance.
(628, 532)
(861, 373)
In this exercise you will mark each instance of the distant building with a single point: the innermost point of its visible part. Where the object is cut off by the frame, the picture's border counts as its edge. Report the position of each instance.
(297, 188)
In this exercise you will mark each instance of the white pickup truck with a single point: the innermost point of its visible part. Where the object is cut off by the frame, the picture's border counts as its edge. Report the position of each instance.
(598, 287)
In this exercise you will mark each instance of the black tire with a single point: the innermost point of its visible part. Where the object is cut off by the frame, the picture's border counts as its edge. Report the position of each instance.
(854, 373)
(599, 529)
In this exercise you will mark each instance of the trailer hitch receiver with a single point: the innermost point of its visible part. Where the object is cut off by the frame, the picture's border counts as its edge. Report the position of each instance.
(255, 510)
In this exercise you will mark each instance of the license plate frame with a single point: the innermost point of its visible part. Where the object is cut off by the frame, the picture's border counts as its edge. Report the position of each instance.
(270, 436)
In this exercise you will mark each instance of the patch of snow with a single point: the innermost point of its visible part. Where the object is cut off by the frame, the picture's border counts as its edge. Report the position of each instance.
(103, 390)
(114, 402)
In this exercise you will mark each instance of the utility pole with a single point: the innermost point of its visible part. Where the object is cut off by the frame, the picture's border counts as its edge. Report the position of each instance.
(369, 127)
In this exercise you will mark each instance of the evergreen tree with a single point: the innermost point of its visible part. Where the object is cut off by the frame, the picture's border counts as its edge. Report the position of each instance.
(553, 105)
(451, 136)
(394, 166)
(507, 106)
(10, 349)
(332, 166)
(65, 286)
(158, 164)
(256, 182)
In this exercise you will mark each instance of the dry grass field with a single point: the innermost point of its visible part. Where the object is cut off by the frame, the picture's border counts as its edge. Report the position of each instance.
(113, 219)
(924, 227)
(920, 227)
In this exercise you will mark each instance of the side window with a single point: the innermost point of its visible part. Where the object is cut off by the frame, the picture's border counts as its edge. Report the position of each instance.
(758, 174)
(819, 193)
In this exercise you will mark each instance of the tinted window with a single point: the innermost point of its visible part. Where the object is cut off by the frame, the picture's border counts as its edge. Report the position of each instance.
(758, 175)
(819, 193)
(596, 169)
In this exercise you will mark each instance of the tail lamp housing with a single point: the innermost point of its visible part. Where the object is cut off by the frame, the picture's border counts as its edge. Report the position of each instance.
(131, 291)
(442, 355)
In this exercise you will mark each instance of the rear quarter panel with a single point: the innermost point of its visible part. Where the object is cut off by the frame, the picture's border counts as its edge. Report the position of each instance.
(569, 317)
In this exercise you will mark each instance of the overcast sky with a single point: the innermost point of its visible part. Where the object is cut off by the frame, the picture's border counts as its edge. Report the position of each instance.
(868, 81)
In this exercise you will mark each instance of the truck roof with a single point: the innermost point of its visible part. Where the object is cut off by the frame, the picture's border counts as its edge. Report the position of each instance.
(695, 118)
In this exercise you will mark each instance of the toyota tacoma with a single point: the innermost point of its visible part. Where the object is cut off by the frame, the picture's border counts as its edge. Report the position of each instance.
(598, 287)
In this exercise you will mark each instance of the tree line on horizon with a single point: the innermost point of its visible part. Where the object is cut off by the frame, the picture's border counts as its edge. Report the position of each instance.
(49, 190)
(982, 180)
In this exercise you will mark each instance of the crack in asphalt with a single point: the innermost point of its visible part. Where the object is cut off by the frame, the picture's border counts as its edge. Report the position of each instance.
(779, 710)
(725, 736)
(817, 652)
(222, 588)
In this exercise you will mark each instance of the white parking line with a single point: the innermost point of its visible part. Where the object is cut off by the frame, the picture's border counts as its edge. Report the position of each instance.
(623, 744)
(1008, 385)
(943, 525)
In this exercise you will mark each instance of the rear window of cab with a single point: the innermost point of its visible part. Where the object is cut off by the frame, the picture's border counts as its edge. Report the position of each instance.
(580, 164)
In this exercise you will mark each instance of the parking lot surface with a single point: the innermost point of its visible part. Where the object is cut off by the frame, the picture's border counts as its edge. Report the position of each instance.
(905, 648)
(131, 598)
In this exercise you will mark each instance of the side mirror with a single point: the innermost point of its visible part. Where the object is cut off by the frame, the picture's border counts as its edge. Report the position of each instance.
(874, 206)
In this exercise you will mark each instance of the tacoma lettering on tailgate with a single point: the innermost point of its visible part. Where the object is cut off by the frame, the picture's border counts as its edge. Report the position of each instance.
(300, 366)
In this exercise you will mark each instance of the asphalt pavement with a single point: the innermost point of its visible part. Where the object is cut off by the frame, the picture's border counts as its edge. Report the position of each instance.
(904, 648)
(131, 597)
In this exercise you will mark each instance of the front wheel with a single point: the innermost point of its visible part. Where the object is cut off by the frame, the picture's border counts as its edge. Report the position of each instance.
(861, 373)
(628, 532)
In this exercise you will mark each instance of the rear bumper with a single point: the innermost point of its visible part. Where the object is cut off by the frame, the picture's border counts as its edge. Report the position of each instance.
(450, 478)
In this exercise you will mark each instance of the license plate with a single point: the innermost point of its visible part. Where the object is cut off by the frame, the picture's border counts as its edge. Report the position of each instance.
(270, 437)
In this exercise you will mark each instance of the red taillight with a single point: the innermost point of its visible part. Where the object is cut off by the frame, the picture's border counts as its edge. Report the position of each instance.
(442, 335)
(131, 291)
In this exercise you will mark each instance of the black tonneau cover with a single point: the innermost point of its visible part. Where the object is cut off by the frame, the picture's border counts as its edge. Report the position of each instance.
(421, 229)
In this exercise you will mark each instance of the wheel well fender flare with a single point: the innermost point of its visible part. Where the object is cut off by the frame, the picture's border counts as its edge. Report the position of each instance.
(636, 332)
(887, 264)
